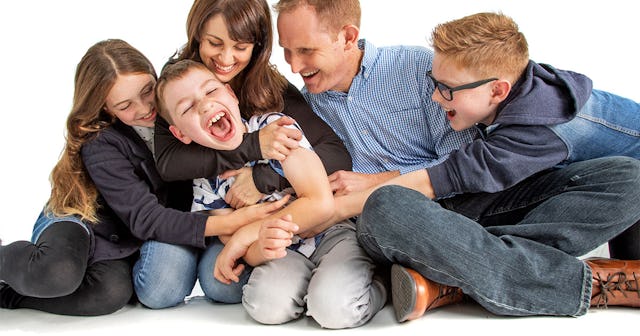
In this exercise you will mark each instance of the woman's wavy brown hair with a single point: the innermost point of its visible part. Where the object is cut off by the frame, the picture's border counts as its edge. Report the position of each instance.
(72, 190)
(259, 86)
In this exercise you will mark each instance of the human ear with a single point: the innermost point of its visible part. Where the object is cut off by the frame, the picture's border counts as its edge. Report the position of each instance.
(500, 90)
(179, 135)
(350, 33)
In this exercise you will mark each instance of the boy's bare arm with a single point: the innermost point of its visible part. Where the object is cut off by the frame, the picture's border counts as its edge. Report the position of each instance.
(350, 205)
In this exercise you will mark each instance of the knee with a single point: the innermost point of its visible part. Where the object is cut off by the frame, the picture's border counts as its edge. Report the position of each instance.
(58, 278)
(164, 275)
(337, 307)
(272, 310)
(165, 288)
(221, 292)
(384, 204)
(333, 312)
(269, 305)
(162, 293)
(214, 289)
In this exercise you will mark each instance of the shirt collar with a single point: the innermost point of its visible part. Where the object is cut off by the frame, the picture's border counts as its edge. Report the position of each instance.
(369, 57)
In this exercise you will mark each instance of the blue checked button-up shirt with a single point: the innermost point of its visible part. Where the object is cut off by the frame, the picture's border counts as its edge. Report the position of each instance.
(387, 120)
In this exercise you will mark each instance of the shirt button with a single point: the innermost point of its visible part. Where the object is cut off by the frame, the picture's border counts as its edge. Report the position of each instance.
(114, 238)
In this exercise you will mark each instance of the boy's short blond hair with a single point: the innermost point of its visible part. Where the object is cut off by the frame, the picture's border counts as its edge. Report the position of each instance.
(172, 71)
(488, 44)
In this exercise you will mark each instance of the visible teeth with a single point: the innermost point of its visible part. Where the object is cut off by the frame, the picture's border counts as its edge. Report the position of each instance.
(307, 74)
(147, 115)
(216, 118)
(224, 68)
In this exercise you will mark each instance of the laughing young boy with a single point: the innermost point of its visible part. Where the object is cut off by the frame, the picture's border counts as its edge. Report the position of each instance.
(326, 273)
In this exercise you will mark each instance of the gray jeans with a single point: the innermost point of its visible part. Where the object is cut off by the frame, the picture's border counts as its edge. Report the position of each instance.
(334, 284)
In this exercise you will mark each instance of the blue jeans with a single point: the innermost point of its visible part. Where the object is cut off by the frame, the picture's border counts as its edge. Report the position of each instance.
(166, 274)
(607, 125)
(514, 252)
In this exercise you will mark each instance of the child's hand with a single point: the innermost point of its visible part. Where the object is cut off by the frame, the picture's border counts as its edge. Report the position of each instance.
(227, 268)
(249, 214)
(276, 141)
(275, 236)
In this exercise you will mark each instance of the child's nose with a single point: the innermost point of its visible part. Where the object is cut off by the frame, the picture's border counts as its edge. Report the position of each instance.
(204, 106)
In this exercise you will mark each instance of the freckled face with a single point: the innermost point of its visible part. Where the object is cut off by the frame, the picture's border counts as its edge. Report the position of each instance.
(468, 107)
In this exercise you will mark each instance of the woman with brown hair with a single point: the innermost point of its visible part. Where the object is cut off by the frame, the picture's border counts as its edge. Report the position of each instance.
(234, 39)
(106, 197)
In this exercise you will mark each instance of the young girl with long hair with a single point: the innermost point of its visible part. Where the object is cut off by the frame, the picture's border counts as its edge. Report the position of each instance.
(107, 197)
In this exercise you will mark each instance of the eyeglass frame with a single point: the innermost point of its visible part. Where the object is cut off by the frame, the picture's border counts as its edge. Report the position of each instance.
(438, 85)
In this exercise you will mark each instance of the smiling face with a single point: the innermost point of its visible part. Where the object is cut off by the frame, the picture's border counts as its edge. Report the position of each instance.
(314, 52)
(225, 57)
(203, 110)
(468, 107)
(131, 99)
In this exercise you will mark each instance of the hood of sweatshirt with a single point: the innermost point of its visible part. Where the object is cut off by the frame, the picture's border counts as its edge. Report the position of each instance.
(544, 95)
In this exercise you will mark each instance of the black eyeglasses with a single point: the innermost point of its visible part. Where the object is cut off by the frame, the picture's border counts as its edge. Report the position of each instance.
(447, 92)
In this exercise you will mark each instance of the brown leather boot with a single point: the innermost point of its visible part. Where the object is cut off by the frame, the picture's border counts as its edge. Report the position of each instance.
(413, 295)
(615, 282)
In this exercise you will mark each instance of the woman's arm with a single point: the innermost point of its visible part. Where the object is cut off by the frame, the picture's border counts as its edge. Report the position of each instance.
(177, 161)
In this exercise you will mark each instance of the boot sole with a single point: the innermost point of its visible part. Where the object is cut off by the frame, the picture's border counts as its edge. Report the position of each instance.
(407, 294)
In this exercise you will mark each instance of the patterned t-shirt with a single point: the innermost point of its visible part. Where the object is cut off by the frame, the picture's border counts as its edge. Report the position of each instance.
(209, 193)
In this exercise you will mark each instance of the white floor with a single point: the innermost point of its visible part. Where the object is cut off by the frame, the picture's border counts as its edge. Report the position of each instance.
(199, 316)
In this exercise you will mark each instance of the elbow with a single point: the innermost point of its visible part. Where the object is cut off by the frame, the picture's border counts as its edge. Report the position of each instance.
(325, 209)
(163, 170)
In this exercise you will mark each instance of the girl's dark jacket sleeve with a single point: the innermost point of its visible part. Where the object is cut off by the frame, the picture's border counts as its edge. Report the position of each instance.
(135, 203)
(177, 161)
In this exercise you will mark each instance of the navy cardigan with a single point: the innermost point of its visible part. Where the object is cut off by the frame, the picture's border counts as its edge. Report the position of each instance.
(135, 204)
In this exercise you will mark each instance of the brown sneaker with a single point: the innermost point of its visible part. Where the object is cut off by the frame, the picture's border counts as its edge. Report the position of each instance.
(615, 282)
(413, 295)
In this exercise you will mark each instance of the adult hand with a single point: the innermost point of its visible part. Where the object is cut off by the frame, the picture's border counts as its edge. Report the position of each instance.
(277, 141)
(243, 191)
(344, 182)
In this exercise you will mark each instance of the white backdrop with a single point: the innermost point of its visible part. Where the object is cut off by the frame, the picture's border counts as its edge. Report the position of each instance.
(43, 40)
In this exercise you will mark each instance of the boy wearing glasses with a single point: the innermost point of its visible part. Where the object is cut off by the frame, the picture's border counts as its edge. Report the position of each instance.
(500, 222)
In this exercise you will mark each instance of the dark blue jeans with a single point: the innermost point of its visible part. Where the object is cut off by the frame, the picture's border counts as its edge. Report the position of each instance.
(514, 252)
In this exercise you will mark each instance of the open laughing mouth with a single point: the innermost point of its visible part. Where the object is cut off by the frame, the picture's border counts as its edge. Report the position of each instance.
(451, 113)
(224, 69)
(310, 74)
(221, 126)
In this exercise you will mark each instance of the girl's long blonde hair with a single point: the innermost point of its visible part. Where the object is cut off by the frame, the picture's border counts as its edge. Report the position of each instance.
(72, 190)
